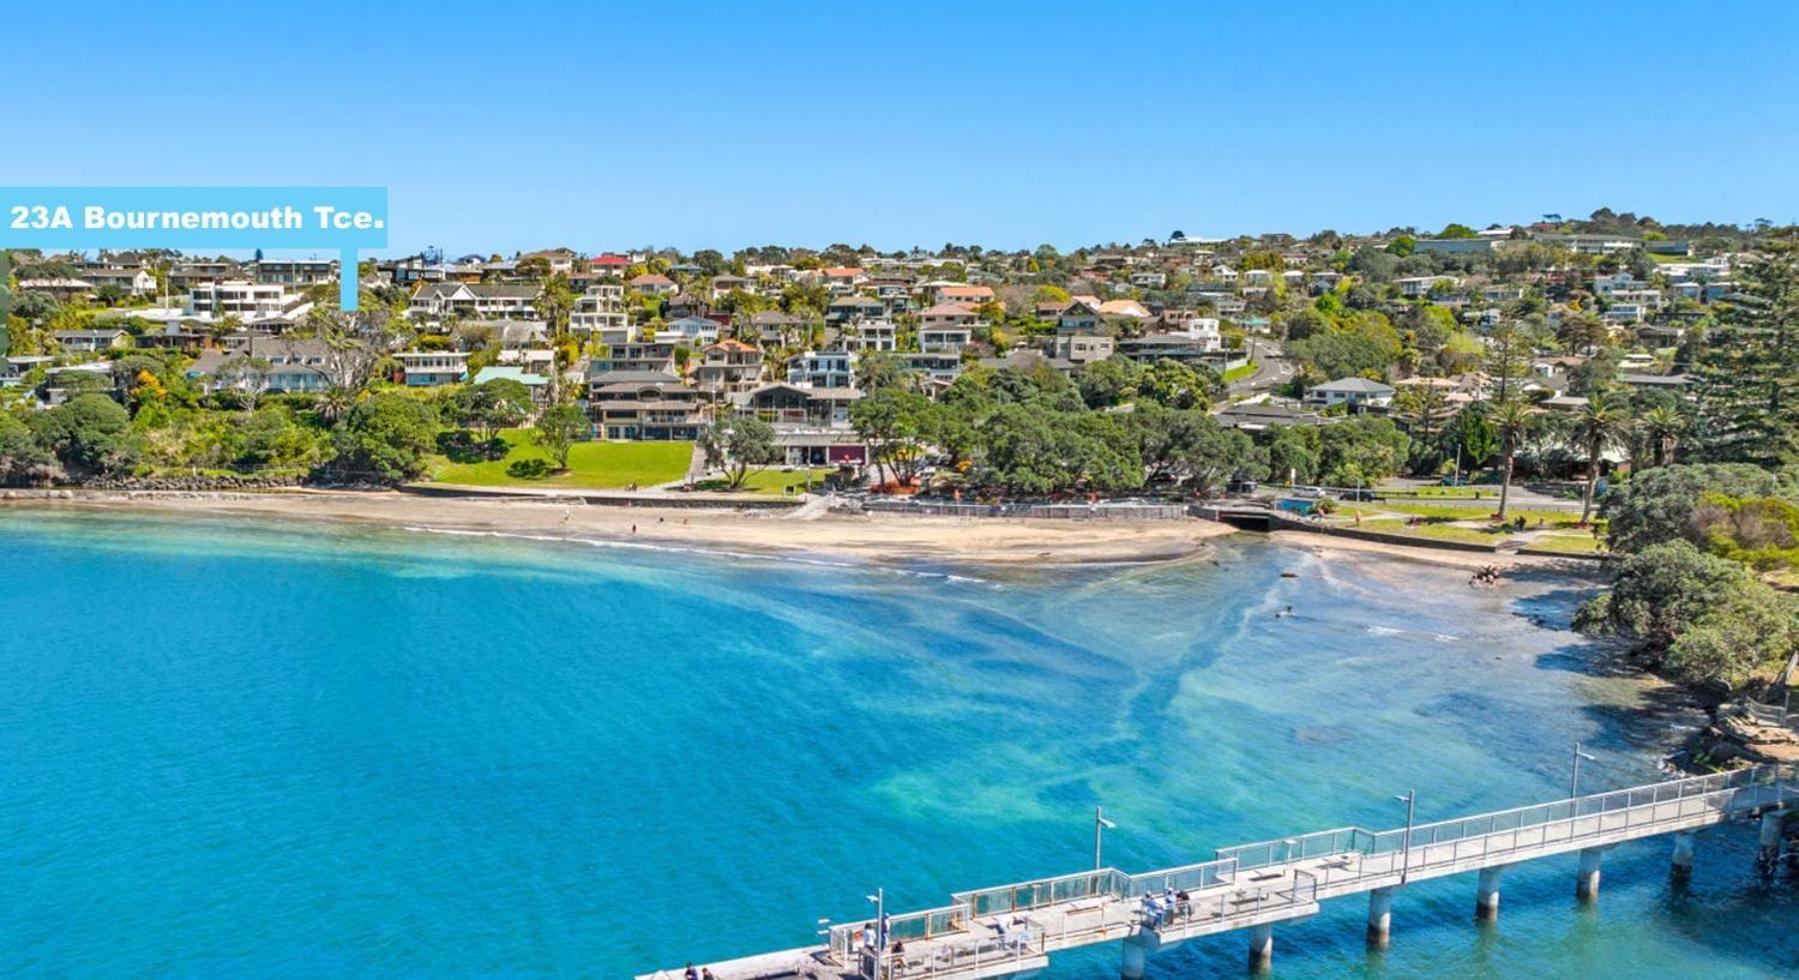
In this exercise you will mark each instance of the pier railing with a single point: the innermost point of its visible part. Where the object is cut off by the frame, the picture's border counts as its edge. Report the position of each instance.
(1191, 877)
(1288, 849)
(1284, 878)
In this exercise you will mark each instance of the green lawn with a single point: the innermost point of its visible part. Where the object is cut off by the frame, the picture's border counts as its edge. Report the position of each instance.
(591, 465)
(1550, 518)
(777, 480)
(1240, 372)
(1568, 544)
(773, 481)
(1438, 532)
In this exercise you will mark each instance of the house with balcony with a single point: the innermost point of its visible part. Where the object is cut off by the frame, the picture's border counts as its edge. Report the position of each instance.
(187, 274)
(694, 331)
(822, 369)
(1607, 284)
(942, 367)
(640, 356)
(236, 297)
(1158, 347)
(946, 327)
(728, 367)
(871, 334)
(842, 280)
(271, 364)
(1080, 316)
(478, 301)
(645, 406)
(788, 404)
(431, 368)
(894, 292)
(298, 273)
(601, 311)
(846, 308)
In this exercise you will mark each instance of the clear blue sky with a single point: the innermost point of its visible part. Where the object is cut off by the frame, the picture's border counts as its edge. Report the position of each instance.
(501, 127)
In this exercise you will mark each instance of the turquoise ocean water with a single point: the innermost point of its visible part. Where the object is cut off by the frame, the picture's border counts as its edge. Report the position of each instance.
(233, 751)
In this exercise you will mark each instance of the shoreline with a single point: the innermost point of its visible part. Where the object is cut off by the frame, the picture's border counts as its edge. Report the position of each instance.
(722, 527)
(1504, 561)
(881, 539)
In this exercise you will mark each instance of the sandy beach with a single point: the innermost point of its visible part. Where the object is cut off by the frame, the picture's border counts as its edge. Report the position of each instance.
(872, 538)
(879, 538)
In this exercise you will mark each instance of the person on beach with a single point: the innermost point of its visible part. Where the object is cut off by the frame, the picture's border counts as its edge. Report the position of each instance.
(692, 974)
(706, 973)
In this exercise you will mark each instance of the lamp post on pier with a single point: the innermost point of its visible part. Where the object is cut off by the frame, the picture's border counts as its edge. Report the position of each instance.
(879, 900)
(1100, 826)
(1574, 777)
(1410, 799)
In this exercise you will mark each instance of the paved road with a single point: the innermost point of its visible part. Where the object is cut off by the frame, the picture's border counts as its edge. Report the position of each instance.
(1272, 370)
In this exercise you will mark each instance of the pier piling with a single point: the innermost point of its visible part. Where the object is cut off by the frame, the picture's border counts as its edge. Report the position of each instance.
(1380, 917)
(1586, 884)
(1261, 948)
(1486, 895)
(1683, 856)
(1768, 855)
(1132, 964)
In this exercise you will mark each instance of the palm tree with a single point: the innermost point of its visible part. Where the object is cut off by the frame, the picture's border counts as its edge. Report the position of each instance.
(1513, 420)
(1662, 427)
(554, 304)
(1601, 424)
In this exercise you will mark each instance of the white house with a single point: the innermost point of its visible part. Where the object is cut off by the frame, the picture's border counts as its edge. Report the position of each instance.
(601, 311)
(427, 369)
(871, 333)
(693, 329)
(1357, 393)
(1415, 286)
(237, 298)
(823, 369)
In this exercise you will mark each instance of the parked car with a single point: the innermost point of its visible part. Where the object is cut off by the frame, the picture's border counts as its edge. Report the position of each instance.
(1362, 493)
(1311, 493)
(1454, 481)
